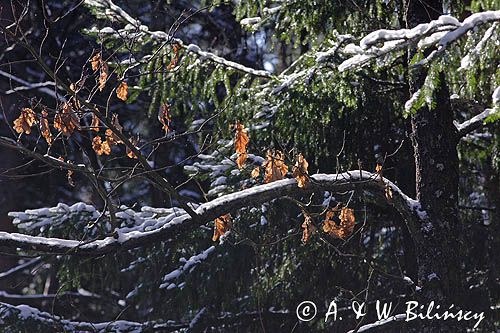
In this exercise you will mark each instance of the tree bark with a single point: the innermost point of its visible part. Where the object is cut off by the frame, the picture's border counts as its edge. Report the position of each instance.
(434, 140)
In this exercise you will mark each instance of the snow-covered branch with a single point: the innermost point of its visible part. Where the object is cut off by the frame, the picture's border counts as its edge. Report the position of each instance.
(148, 229)
(188, 266)
(440, 33)
(136, 29)
(20, 268)
(379, 323)
(452, 36)
(473, 123)
(11, 315)
(478, 120)
(474, 53)
(42, 87)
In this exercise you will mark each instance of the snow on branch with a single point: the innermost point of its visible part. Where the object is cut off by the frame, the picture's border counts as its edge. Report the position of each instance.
(474, 53)
(20, 267)
(105, 8)
(468, 24)
(440, 33)
(478, 120)
(12, 315)
(188, 266)
(42, 86)
(148, 229)
(379, 323)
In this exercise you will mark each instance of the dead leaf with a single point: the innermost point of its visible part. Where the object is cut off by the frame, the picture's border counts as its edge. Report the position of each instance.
(164, 117)
(222, 225)
(122, 91)
(66, 121)
(255, 172)
(308, 227)
(130, 153)
(175, 60)
(340, 226)
(300, 172)
(378, 170)
(103, 75)
(240, 160)
(388, 193)
(44, 127)
(241, 139)
(25, 120)
(240, 144)
(347, 219)
(101, 147)
(275, 167)
(111, 137)
(70, 178)
(94, 126)
(95, 61)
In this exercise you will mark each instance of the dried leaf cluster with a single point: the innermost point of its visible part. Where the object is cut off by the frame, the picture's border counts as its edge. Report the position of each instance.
(339, 222)
(98, 63)
(26, 119)
(66, 120)
(274, 166)
(101, 147)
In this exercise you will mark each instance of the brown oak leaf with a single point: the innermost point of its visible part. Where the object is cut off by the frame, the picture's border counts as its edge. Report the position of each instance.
(240, 144)
(308, 227)
(300, 172)
(222, 225)
(175, 60)
(255, 172)
(95, 61)
(103, 75)
(122, 91)
(44, 127)
(275, 167)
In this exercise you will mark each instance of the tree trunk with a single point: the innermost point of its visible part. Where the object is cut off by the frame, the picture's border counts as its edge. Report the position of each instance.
(434, 139)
